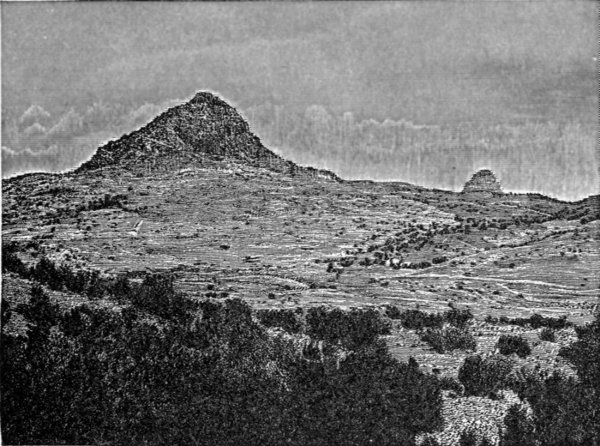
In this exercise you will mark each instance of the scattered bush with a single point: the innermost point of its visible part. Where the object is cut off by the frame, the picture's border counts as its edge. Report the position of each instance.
(444, 340)
(509, 344)
(157, 296)
(107, 202)
(288, 320)
(468, 438)
(564, 411)
(484, 377)
(548, 334)
(354, 329)
(584, 353)
(392, 312)
(535, 321)
(449, 383)
(458, 318)
(11, 262)
(418, 320)
(519, 428)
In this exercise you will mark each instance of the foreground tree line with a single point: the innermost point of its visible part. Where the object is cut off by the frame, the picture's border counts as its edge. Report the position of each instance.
(163, 368)
(203, 372)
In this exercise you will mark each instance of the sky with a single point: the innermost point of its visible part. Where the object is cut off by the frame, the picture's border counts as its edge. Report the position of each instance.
(434, 62)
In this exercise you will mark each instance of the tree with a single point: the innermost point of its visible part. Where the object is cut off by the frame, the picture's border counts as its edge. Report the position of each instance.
(519, 428)
(584, 353)
(509, 344)
(485, 376)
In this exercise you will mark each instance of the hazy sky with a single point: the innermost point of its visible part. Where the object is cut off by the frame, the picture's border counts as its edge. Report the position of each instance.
(436, 62)
(425, 61)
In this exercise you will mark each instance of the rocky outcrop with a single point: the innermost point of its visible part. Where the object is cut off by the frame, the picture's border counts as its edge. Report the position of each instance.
(203, 131)
(483, 181)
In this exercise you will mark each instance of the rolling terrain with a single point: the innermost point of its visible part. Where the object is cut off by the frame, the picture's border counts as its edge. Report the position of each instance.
(195, 195)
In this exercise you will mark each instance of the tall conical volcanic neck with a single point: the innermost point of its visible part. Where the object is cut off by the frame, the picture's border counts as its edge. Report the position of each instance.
(203, 130)
(483, 181)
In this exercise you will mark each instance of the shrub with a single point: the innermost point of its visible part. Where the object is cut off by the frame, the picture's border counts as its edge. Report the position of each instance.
(449, 383)
(288, 320)
(122, 289)
(447, 339)
(534, 321)
(157, 296)
(509, 344)
(584, 353)
(393, 312)
(11, 262)
(46, 272)
(548, 334)
(354, 329)
(484, 377)
(519, 428)
(458, 318)
(564, 411)
(418, 320)
(468, 438)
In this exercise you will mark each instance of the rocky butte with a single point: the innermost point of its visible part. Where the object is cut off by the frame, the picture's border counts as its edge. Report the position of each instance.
(483, 181)
(203, 132)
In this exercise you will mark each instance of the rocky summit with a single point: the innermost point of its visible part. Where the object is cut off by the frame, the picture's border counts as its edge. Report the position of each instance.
(199, 133)
(483, 181)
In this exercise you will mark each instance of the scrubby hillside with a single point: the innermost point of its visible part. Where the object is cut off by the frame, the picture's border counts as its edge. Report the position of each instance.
(187, 273)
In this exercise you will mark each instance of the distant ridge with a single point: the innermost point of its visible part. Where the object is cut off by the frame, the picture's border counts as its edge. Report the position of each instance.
(483, 181)
(203, 131)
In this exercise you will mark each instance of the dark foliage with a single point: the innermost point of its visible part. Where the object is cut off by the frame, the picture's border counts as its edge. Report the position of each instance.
(11, 262)
(106, 202)
(468, 438)
(157, 296)
(289, 320)
(353, 329)
(367, 401)
(548, 334)
(446, 339)
(509, 344)
(535, 321)
(519, 428)
(584, 354)
(418, 320)
(449, 383)
(215, 378)
(564, 410)
(458, 318)
(485, 376)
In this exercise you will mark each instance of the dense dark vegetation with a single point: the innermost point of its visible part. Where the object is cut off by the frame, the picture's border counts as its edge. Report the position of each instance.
(564, 408)
(444, 332)
(163, 368)
(548, 334)
(534, 321)
(418, 320)
(288, 320)
(485, 376)
(203, 372)
(352, 329)
(444, 340)
(509, 344)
